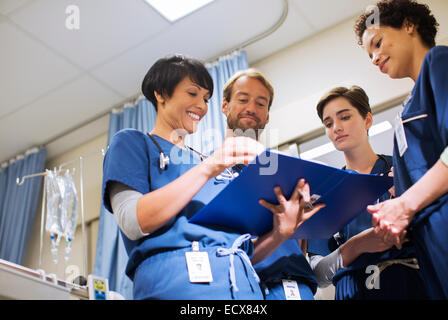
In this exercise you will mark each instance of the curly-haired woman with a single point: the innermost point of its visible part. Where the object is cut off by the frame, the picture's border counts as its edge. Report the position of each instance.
(402, 45)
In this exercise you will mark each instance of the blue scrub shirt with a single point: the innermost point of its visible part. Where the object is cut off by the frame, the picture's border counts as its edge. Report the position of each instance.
(157, 263)
(425, 122)
(396, 282)
(287, 262)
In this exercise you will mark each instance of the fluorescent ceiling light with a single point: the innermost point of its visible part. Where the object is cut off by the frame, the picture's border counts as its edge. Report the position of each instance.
(318, 151)
(329, 147)
(380, 128)
(176, 9)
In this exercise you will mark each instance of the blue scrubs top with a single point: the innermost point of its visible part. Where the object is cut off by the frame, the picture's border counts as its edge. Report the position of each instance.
(350, 281)
(287, 262)
(425, 122)
(157, 263)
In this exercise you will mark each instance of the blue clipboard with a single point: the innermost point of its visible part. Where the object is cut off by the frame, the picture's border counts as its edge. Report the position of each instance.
(346, 194)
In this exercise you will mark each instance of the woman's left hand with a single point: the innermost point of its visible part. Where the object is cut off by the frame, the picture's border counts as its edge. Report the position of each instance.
(290, 214)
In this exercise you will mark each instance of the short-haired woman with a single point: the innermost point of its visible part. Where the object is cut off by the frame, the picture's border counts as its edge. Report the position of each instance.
(349, 258)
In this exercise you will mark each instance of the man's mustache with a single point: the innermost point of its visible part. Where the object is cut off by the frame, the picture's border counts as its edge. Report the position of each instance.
(249, 115)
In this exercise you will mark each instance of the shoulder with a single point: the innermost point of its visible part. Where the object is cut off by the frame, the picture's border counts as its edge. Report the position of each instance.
(436, 55)
(128, 134)
(127, 143)
(384, 163)
(128, 138)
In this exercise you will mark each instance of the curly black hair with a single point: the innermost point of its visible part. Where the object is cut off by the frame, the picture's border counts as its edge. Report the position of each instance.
(394, 12)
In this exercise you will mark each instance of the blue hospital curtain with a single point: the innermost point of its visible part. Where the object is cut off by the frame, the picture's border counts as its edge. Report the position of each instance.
(18, 203)
(212, 128)
(111, 257)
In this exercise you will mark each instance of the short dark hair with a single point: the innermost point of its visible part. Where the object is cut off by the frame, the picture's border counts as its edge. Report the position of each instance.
(355, 95)
(393, 13)
(166, 73)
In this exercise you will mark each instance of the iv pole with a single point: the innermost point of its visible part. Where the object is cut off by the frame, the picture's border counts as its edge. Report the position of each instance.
(81, 183)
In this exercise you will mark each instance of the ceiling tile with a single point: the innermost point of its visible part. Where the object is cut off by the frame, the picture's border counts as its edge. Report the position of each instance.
(205, 34)
(322, 14)
(281, 38)
(28, 69)
(125, 73)
(8, 6)
(54, 114)
(107, 27)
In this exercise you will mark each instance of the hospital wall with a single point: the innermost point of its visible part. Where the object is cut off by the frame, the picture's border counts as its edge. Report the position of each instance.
(300, 74)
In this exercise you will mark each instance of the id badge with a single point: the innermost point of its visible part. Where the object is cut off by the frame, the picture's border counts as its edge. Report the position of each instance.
(198, 265)
(291, 289)
(400, 135)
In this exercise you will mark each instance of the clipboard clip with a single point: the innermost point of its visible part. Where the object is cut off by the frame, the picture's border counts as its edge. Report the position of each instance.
(313, 199)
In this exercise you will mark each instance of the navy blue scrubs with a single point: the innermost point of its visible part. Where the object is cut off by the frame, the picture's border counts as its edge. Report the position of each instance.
(157, 263)
(287, 262)
(425, 122)
(396, 281)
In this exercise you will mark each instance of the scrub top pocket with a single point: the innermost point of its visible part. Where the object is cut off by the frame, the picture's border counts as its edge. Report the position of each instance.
(419, 129)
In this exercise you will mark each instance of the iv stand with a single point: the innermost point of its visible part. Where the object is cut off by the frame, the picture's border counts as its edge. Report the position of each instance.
(81, 183)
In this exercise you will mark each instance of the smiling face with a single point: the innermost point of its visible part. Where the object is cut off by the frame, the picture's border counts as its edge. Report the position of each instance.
(391, 50)
(248, 107)
(186, 106)
(344, 125)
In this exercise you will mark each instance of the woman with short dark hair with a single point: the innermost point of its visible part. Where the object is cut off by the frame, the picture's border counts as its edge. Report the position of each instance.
(402, 45)
(345, 259)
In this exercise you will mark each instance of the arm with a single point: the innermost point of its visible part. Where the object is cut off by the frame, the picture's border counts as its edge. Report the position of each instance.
(391, 217)
(288, 215)
(157, 207)
(363, 242)
(124, 206)
(325, 268)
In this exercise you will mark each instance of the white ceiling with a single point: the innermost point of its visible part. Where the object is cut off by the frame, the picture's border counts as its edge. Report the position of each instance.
(54, 80)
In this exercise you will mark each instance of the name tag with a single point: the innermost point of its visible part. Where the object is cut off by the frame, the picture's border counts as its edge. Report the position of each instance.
(400, 135)
(198, 265)
(291, 289)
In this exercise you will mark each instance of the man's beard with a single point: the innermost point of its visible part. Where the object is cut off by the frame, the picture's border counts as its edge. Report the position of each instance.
(238, 130)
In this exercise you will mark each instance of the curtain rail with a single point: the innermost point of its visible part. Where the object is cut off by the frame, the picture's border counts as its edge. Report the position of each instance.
(260, 36)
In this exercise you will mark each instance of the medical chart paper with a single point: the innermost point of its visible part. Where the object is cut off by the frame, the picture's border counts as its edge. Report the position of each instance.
(346, 194)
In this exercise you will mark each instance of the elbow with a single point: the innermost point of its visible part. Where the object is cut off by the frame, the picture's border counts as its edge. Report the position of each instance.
(131, 236)
(323, 279)
(321, 271)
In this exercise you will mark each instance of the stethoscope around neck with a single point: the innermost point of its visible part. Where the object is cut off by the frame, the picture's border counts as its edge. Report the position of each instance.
(164, 161)
(389, 167)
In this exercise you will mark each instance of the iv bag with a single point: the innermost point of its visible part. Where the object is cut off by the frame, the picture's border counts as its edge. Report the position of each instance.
(53, 223)
(70, 206)
(62, 210)
(70, 211)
